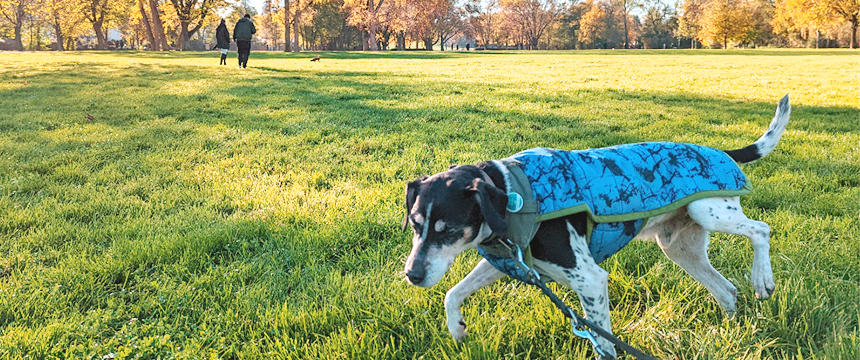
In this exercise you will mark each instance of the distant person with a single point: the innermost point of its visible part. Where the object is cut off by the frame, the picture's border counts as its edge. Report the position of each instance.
(242, 33)
(467, 46)
(222, 36)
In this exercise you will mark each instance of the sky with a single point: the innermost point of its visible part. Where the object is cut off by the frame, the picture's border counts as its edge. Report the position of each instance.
(257, 4)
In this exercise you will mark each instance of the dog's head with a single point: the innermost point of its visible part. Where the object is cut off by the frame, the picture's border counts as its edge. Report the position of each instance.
(450, 212)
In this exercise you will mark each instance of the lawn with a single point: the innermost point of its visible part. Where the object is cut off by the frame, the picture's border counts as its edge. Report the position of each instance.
(157, 205)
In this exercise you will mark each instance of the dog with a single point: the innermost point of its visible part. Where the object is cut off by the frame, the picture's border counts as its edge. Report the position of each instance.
(470, 206)
(316, 58)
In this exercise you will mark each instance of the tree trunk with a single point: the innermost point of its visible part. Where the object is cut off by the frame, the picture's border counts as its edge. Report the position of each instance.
(101, 38)
(183, 36)
(817, 38)
(371, 36)
(147, 24)
(296, 19)
(442, 42)
(400, 37)
(19, 43)
(157, 27)
(854, 24)
(428, 44)
(725, 42)
(287, 46)
(626, 32)
(58, 32)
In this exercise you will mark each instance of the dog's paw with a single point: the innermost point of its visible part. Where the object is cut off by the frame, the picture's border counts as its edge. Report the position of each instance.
(457, 330)
(762, 280)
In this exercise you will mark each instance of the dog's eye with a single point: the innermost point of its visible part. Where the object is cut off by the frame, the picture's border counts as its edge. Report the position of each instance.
(440, 226)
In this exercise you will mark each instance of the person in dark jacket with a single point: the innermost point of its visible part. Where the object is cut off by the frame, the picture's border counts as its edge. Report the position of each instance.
(242, 33)
(222, 36)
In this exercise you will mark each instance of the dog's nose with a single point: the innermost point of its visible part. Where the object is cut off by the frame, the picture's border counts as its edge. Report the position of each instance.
(415, 277)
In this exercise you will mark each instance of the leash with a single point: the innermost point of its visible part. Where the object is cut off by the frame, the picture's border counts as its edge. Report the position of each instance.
(582, 327)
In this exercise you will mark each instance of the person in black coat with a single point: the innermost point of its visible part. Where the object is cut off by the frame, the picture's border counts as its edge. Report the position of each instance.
(242, 33)
(222, 36)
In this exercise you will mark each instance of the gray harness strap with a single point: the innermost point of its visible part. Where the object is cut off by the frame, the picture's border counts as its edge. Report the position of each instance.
(522, 225)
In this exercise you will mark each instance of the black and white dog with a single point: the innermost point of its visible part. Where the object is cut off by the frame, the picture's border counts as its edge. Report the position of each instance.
(458, 209)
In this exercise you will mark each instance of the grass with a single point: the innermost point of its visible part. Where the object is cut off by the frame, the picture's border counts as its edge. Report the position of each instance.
(206, 212)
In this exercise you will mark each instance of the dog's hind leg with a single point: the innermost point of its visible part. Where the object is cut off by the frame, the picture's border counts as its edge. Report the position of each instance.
(590, 282)
(686, 243)
(724, 214)
(482, 275)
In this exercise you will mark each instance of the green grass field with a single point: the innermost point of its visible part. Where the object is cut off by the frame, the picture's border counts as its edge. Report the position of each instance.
(206, 212)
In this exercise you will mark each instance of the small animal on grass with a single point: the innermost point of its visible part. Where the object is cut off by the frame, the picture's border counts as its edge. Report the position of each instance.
(570, 210)
(316, 58)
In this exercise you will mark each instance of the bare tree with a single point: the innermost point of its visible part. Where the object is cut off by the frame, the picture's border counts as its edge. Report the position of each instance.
(481, 18)
(531, 17)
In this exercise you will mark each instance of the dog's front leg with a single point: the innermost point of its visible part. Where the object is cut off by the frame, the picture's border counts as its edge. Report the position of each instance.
(590, 282)
(482, 275)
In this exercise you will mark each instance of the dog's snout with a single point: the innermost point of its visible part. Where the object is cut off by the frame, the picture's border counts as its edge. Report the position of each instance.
(415, 277)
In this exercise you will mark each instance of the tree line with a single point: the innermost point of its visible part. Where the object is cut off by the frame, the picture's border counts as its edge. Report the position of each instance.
(295, 25)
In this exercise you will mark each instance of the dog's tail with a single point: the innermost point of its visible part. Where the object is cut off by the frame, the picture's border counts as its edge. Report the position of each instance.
(767, 142)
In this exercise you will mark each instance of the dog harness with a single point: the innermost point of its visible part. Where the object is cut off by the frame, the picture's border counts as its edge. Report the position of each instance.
(618, 187)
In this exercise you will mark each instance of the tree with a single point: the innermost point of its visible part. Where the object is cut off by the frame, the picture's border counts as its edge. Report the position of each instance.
(624, 6)
(95, 11)
(531, 17)
(481, 18)
(721, 21)
(592, 30)
(848, 10)
(190, 13)
(364, 14)
(157, 26)
(15, 13)
(447, 22)
(688, 22)
(64, 18)
(658, 25)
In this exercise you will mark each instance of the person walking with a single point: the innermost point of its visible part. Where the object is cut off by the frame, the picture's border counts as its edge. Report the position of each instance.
(242, 33)
(222, 36)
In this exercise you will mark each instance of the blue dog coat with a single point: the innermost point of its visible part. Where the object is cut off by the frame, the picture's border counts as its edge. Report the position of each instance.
(618, 187)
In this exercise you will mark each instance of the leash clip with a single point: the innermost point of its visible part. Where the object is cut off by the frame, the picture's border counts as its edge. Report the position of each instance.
(582, 332)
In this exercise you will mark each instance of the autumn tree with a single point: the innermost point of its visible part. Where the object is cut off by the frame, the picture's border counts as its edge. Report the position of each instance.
(848, 10)
(689, 19)
(531, 17)
(364, 14)
(447, 22)
(592, 29)
(99, 13)
(155, 19)
(720, 22)
(191, 15)
(482, 16)
(65, 20)
(15, 13)
(624, 7)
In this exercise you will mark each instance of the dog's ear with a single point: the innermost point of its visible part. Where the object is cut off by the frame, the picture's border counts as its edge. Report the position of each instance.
(491, 201)
(411, 194)
(452, 166)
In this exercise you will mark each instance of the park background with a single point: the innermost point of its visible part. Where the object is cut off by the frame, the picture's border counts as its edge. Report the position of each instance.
(430, 24)
(154, 204)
